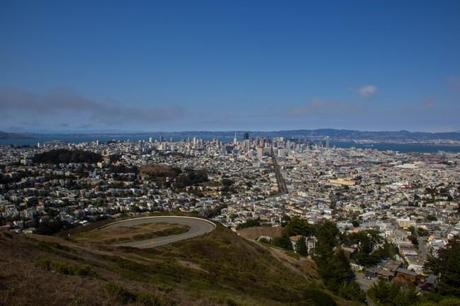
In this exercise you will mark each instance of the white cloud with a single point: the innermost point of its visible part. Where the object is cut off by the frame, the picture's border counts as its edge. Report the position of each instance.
(367, 91)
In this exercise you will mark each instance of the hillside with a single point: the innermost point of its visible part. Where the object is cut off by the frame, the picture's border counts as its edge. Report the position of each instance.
(219, 268)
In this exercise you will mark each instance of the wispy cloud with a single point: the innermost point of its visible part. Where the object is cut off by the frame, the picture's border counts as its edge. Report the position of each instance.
(66, 104)
(367, 91)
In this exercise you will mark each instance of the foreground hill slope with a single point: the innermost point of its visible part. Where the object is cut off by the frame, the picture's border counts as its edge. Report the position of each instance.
(219, 268)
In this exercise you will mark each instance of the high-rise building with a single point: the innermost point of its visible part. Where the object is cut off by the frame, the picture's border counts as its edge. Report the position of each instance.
(260, 153)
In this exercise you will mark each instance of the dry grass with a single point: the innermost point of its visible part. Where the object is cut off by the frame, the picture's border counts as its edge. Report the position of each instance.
(215, 269)
(109, 235)
(252, 233)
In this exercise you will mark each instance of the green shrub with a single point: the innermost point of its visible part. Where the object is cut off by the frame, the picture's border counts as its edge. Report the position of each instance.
(390, 294)
(64, 267)
(120, 293)
(318, 297)
(125, 296)
(351, 291)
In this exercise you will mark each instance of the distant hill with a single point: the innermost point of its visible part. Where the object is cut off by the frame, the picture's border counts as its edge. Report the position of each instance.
(5, 135)
(219, 268)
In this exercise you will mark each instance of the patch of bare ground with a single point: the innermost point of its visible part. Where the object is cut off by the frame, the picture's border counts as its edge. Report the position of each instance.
(252, 233)
(302, 265)
(191, 265)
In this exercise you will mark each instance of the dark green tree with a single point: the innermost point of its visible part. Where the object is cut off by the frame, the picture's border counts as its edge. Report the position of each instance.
(297, 226)
(366, 241)
(390, 294)
(283, 242)
(352, 291)
(447, 267)
(327, 236)
(301, 247)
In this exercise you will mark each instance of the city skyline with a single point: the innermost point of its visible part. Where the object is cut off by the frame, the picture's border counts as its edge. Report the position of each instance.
(181, 66)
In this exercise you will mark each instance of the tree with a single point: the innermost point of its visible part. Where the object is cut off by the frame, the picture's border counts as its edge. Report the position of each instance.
(413, 239)
(249, 223)
(297, 226)
(352, 291)
(283, 242)
(390, 294)
(301, 247)
(447, 267)
(366, 241)
(327, 236)
(339, 270)
(332, 263)
(422, 232)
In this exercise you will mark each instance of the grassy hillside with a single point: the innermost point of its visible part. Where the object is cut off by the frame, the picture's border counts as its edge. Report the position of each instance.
(216, 269)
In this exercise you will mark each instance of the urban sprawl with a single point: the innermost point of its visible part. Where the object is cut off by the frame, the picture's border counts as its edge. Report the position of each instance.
(411, 199)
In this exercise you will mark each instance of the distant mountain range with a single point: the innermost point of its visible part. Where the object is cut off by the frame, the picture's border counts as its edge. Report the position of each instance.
(5, 135)
(317, 134)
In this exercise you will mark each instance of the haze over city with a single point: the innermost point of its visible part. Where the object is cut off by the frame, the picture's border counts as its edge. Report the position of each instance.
(80, 66)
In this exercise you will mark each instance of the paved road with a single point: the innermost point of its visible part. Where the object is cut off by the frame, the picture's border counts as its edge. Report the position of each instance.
(282, 187)
(197, 226)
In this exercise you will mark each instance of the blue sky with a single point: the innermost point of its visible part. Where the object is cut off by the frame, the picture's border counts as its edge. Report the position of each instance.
(226, 65)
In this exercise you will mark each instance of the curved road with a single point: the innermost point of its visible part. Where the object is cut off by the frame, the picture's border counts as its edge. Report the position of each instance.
(197, 226)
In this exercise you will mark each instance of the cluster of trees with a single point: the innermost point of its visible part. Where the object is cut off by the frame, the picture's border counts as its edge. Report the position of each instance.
(6, 179)
(301, 247)
(227, 186)
(293, 227)
(371, 247)
(165, 175)
(446, 266)
(123, 169)
(249, 223)
(297, 226)
(214, 212)
(67, 156)
(282, 242)
(50, 226)
(392, 294)
(155, 171)
(385, 293)
(332, 263)
(191, 177)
